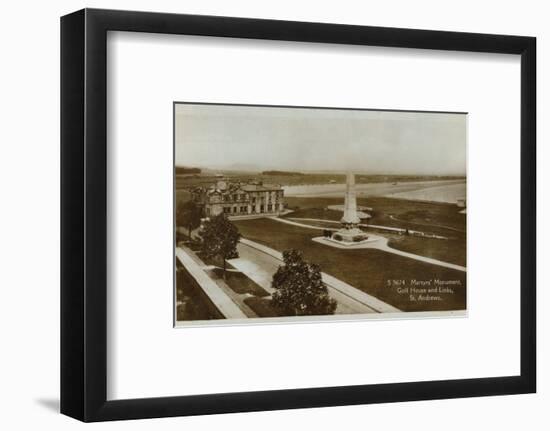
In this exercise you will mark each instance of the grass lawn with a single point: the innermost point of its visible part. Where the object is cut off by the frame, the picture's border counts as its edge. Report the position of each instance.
(193, 305)
(240, 283)
(436, 218)
(375, 272)
(441, 218)
(451, 250)
(314, 207)
(262, 307)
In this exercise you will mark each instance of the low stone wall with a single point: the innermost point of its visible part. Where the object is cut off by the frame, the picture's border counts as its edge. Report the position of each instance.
(223, 303)
(188, 279)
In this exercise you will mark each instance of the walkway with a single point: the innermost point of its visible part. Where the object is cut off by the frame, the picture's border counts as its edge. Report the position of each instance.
(259, 263)
(217, 296)
(382, 245)
(429, 225)
(260, 268)
(253, 216)
(295, 221)
(388, 228)
(386, 247)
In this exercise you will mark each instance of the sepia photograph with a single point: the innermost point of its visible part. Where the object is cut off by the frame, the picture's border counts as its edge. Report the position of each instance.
(289, 214)
(260, 214)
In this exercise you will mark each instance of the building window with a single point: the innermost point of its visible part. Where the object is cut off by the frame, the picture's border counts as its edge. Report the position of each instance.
(269, 207)
(261, 208)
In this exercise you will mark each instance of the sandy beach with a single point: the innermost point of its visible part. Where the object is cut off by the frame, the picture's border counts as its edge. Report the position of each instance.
(435, 191)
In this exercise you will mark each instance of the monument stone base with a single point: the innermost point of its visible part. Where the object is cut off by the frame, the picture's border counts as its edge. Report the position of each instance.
(350, 236)
(352, 242)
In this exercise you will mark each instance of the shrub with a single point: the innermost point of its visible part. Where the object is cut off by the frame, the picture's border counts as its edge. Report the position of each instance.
(299, 288)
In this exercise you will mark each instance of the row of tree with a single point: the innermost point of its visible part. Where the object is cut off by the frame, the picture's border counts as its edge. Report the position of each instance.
(298, 284)
(183, 170)
(283, 173)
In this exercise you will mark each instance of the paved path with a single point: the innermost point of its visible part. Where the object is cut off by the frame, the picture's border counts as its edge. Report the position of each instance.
(219, 298)
(386, 247)
(383, 245)
(260, 267)
(388, 228)
(287, 221)
(259, 263)
(253, 216)
(296, 221)
(428, 225)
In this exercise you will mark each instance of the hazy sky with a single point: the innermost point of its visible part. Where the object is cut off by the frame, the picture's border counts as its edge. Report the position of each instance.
(377, 142)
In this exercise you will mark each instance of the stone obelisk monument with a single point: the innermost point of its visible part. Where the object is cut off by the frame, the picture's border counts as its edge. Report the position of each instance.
(350, 218)
(350, 232)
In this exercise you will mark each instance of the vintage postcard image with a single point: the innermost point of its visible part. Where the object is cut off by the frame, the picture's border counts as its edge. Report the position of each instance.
(286, 214)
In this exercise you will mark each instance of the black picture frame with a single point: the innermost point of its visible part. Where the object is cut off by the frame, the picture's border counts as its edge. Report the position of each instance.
(84, 214)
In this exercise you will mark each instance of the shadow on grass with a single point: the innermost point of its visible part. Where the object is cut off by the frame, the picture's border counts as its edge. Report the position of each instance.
(240, 283)
(262, 307)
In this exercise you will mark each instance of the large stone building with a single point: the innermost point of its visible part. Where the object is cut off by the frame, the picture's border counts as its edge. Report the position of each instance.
(235, 199)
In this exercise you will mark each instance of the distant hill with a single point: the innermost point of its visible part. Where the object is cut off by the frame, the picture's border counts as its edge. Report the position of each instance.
(182, 170)
(282, 173)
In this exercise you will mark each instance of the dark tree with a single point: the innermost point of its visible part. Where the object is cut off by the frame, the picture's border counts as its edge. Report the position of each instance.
(188, 215)
(219, 239)
(300, 290)
(182, 170)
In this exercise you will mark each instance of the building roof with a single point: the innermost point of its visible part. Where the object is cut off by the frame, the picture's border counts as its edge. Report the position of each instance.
(228, 188)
